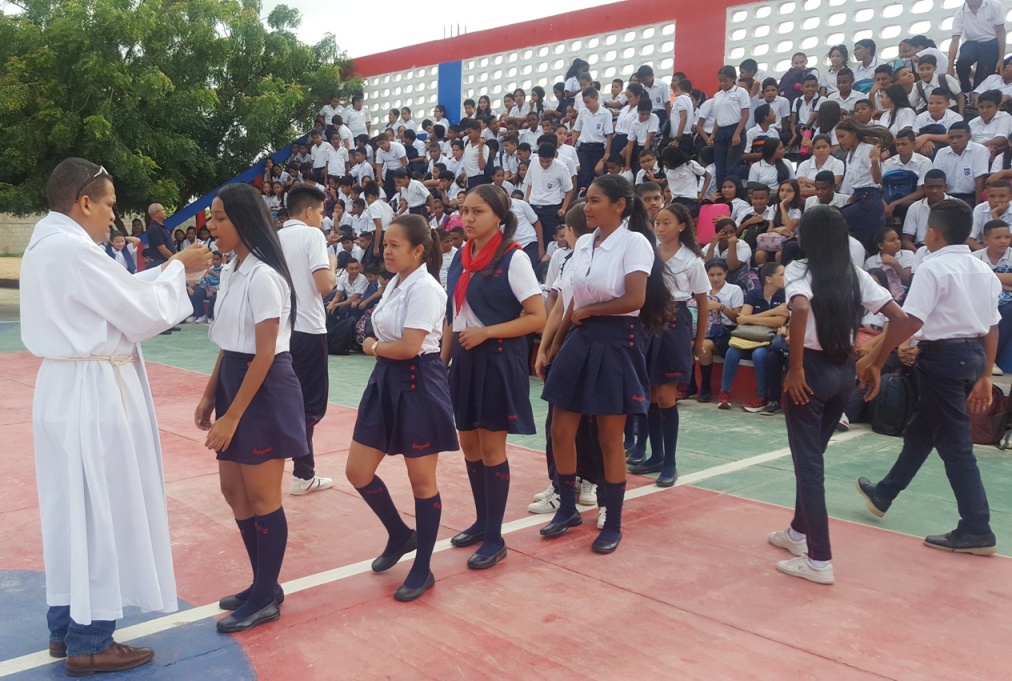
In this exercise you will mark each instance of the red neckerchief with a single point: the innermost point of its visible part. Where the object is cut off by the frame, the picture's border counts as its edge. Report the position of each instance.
(477, 263)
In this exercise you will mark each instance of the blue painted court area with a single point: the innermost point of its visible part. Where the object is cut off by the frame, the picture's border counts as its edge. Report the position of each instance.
(185, 652)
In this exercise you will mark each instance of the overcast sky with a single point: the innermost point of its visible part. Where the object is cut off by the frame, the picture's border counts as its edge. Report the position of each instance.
(412, 22)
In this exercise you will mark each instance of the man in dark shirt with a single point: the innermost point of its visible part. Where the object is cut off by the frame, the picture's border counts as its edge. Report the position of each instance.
(160, 245)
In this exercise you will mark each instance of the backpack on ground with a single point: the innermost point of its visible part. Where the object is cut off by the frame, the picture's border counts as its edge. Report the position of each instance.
(989, 428)
(341, 336)
(893, 407)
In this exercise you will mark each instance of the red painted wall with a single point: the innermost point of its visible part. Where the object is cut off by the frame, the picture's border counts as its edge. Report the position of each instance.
(700, 29)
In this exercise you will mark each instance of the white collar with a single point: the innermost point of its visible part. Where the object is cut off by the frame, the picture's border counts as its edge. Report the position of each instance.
(952, 249)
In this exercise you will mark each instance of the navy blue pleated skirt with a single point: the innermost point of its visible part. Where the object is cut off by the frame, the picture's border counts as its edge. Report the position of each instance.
(274, 424)
(491, 386)
(405, 408)
(601, 369)
(669, 354)
(865, 215)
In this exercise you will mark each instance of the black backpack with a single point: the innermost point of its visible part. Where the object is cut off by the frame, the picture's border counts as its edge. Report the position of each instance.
(893, 407)
(341, 336)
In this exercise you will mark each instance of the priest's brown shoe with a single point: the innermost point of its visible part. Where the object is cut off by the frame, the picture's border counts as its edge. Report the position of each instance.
(115, 658)
(57, 649)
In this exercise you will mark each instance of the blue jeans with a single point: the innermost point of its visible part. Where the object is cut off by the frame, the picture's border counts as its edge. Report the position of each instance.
(726, 156)
(761, 358)
(80, 639)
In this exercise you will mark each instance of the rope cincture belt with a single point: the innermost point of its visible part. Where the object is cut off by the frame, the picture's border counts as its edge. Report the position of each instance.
(116, 361)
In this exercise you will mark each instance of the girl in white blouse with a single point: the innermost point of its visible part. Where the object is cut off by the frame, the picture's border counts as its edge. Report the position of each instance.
(406, 408)
(600, 364)
(254, 393)
(865, 214)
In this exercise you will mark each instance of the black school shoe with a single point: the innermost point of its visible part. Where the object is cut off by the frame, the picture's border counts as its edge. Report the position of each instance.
(384, 563)
(876, 503)
(482, 562)
(963, 542)
(406, 594)
(233, 602)
(464, 539)
(560, 528)
(231, 625)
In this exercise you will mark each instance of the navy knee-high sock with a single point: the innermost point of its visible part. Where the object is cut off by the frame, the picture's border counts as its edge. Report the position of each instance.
(642, 433)
(614, 500)
(669, 424)
(272, 539)
(427, 514)
(476, 476)
(247, 528)
(377, 496)
(567, 498)
(705, 379)
(656, 434)
(629, 438)
(497, 489)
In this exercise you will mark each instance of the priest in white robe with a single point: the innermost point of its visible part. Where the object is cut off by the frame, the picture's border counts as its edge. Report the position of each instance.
(105, 532)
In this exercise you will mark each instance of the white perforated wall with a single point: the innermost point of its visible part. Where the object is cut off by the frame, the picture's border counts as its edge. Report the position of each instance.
(770, 32)
(611, 55)
(415, 88)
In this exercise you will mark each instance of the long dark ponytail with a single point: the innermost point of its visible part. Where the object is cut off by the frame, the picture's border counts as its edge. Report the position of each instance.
(247, 211)
(502, 205)
(656, 310)
(687, 236)
(836, 289)
(418, 233)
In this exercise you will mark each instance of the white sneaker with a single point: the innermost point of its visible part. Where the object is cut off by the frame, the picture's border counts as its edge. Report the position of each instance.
(782, 539)
(801, 567)
(191, 319)
(588, 493)
(549, 504)
(546, 492)
(602, 515)
(300, 486)
(996, 371)
(844, 424)
(202, 319)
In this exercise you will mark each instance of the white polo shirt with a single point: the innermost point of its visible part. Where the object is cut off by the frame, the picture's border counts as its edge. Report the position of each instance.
(469, 163)
(904, 257)
(705, 114)
(320, 153)
(356, 120)
(915, 223)
(594, 128)
(523, 284)
(847, 103)
(918, 164)
(728, 105)
(359, 171)
(838, 201)
(954, 294)
(683, 102)
(979, 27)
(767, 174)
(781, 107)
(599, 273)
(526, 217)
(305, 251)
(328, 112)
(805, 108)
(548, 186)
(683, 181)
(905, 118)
(415, 194)
(378, 210)
(962, 170)
(858, 174)
(686, 275)
(418, 302)
(994, 82)
(941, 58)
(999, 126)
(626, 117)
(567, 154)
(391, 159)
(982, 215)
(640, 130)
(865, 72)
(741, 249)
(1004, 260)
(924, 119)
(810, 169)
(799, 283)
(337, 161)
(659, 94)
(251, 292)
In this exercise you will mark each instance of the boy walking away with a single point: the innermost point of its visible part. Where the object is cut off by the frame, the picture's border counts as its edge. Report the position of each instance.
(312, 270)
(105, 534)
(952, 310)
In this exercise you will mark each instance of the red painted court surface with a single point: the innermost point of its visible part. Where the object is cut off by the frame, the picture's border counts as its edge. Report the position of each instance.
(692, 593)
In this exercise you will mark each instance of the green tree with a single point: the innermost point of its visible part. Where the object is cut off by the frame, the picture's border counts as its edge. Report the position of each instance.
(173, 97)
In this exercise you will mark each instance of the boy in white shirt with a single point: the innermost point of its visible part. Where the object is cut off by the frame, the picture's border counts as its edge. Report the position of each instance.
(780, 105)
(965, 164)
(549, 188)
(906, 159)
(357, 117)
(992, 127)
(825, 192)
(592, 135)
(413, 196)
(846, 96)
(682, 114)
(932, 125)
(1001, 82)
(915, 224)
(999, 194)
(350, 287)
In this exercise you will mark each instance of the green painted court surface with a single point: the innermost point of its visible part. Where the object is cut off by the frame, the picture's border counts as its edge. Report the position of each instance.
(708, 437)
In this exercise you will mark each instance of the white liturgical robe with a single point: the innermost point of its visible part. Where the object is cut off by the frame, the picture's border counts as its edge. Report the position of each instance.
(105, 532)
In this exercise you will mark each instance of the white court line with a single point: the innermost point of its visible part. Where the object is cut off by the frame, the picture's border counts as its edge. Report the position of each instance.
(155, 626)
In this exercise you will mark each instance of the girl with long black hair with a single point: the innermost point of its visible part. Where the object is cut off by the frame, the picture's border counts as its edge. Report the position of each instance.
(600, 366)
(670, 353)
(494, 303)
(254, 394)
(405, 409)
(899, 114)
(865, 213)
(827, 294)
